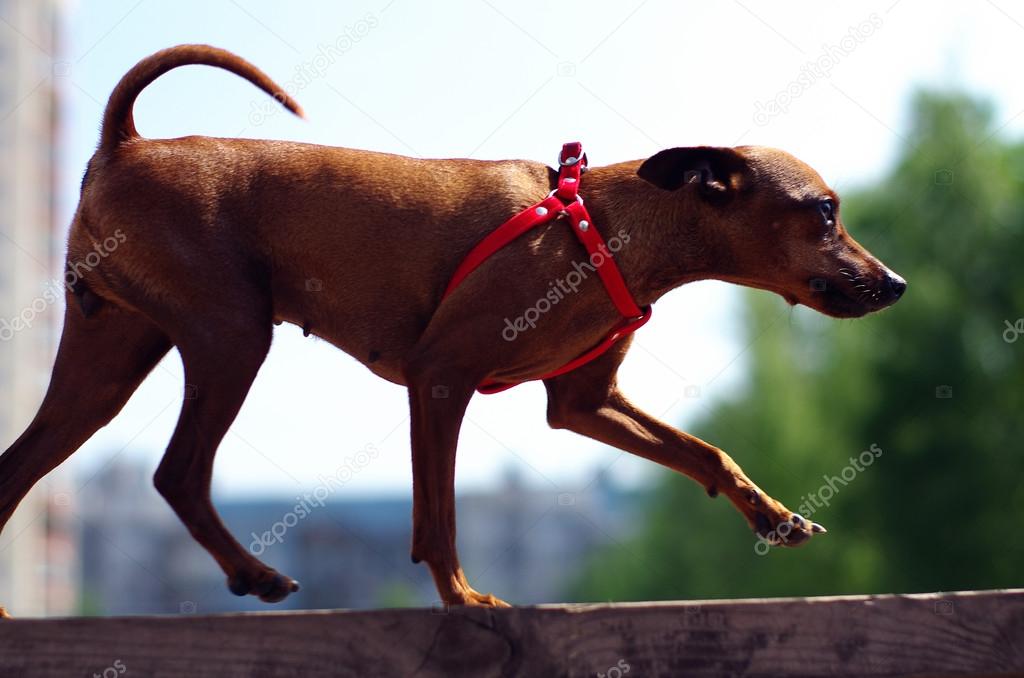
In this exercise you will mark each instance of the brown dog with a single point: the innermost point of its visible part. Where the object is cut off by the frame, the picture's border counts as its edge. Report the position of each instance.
(218, 239)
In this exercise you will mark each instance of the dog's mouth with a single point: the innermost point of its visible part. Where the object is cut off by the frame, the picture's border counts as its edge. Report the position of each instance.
(845, 295)
(851, 296)
(824, 297)
(836, 303)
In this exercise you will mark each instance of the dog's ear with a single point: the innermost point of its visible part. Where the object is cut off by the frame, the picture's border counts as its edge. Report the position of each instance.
(716, 171)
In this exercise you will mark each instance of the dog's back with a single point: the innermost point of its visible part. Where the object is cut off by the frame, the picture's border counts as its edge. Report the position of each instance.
(315, 227)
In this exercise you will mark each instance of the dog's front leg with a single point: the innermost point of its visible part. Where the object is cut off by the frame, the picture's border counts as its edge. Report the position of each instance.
(588, 401)
(437, 400)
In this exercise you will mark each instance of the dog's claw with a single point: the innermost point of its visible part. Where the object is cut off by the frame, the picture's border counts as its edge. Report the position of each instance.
(820, 529)
(4, 614)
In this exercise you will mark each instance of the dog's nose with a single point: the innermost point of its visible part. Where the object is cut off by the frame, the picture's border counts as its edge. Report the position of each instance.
(897, 286)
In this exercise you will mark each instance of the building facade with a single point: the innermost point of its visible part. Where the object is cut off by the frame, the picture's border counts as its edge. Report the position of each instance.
(522, 543)
(36, 575)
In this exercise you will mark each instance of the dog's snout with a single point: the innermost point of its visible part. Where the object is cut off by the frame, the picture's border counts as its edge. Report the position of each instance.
(897, 285)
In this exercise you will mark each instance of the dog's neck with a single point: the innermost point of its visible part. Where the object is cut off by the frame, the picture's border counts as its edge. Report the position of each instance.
(669, 243)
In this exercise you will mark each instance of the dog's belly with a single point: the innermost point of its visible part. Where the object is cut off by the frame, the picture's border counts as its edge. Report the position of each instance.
(351, 281)
(365, 327)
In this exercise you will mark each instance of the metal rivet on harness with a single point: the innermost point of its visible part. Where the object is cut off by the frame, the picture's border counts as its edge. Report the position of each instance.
(541, 211)
(584, 225)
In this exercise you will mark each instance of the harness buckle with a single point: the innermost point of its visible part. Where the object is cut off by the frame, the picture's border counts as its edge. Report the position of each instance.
(574, 160)
(577, 157)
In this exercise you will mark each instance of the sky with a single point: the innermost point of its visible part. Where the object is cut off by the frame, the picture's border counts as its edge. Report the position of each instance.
(828, 82)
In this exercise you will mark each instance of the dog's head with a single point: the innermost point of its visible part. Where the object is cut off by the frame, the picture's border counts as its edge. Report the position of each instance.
(773, 223)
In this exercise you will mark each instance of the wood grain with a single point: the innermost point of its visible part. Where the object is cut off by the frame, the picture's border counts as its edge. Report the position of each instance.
(970, 633)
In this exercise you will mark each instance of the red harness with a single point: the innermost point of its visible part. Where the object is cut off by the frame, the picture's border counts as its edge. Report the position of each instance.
(564, 201)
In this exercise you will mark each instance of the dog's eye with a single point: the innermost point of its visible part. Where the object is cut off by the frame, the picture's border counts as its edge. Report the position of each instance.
(828, 212)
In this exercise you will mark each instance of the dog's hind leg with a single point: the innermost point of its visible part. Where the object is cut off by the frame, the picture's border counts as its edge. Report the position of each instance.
(101, 360)
(222, 351)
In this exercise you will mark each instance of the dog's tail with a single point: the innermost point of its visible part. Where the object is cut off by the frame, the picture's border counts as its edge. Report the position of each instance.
(118, 124)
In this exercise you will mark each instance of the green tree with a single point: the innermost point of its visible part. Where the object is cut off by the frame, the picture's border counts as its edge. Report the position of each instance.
(931, 382)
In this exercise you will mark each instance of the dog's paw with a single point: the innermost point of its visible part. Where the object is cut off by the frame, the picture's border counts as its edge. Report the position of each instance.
(270, 586)
(471, 598)
(464, 594)
(3, 613)
(486, 600)
(775, 524)
(793, 531)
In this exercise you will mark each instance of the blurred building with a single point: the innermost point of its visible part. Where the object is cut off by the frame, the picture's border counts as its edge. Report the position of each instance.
(37, 574)
(522, 543)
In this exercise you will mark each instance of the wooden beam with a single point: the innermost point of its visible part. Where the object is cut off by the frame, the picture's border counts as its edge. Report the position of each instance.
(968, 634)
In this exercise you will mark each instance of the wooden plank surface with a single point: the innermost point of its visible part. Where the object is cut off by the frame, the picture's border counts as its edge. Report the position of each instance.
(971, 633)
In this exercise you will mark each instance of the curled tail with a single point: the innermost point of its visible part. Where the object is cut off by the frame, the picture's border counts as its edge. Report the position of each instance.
(118, 125)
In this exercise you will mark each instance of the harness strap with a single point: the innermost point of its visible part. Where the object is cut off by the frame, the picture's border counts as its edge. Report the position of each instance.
(563, 201)
(531, 217)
